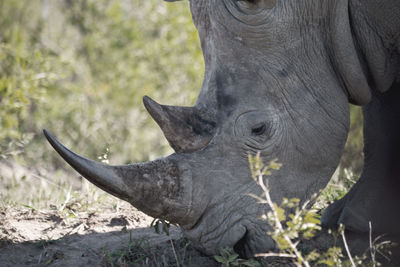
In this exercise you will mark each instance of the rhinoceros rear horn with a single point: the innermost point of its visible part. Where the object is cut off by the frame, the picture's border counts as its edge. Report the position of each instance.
(187, 129)
(159, 188)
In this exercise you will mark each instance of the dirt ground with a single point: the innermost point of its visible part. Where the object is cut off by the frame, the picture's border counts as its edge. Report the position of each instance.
(56, 230)
(44, 238)
(89, 228)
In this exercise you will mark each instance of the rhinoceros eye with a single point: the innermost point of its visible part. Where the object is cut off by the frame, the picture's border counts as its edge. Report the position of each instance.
(258, 129)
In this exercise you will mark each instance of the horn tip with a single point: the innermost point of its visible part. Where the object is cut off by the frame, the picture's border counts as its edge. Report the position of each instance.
(146, 98)
(148, 102)
(51, 139)
(55, 143)
(153, 107)
(48, 135)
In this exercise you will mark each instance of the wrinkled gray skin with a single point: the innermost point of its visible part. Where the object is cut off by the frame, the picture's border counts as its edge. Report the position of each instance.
(279, 76)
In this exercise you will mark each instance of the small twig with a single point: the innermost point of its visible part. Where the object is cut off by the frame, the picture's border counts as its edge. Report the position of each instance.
(371, 247)
(381, 244)
(271, 254)
(173, 250)
(41, 255)
(277, 222)
(184, 254)
(383, 255)
(347, 249)
(67, 199)
(40, 258)
(48, 180)
(77, 228)
(299, 213)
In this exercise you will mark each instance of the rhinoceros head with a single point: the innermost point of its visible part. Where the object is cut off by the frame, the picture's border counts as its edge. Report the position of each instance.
(273, 84)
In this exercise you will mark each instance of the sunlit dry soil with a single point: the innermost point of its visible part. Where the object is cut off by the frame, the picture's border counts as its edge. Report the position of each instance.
(44, 238)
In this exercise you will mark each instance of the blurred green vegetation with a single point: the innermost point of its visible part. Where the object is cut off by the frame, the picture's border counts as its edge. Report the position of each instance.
(79, 68)
(353, 156)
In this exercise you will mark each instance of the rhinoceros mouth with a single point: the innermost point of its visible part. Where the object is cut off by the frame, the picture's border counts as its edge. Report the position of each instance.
(240, 245)
(254, 240)
(233, 225)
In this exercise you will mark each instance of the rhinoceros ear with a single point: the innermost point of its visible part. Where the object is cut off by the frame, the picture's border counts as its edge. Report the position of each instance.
(344, 56)
(187, 129)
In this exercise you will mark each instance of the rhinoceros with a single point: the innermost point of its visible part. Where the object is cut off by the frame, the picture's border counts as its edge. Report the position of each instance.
(279, 76)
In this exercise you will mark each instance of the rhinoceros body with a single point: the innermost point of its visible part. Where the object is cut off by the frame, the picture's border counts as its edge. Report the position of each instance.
(279, 76)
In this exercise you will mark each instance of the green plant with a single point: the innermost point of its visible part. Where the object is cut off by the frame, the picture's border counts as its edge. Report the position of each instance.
(336, 189)
(228, 257)
(160, 226)
(302, 223)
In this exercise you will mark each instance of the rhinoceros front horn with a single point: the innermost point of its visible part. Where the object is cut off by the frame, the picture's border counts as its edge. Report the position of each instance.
(187, 129)
(160, 188)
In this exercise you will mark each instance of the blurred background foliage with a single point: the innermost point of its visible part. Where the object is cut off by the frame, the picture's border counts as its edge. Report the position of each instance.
(353, 156)
(79, 68)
